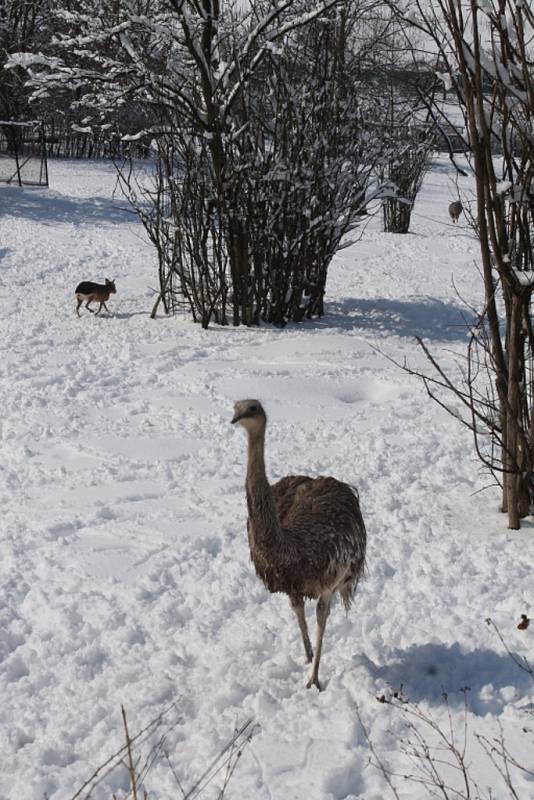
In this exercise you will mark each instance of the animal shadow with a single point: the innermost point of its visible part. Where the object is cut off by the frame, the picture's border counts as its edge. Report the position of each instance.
(426, 671)
(124, 314)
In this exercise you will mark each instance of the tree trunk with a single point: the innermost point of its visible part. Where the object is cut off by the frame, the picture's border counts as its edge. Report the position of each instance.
(513, 409)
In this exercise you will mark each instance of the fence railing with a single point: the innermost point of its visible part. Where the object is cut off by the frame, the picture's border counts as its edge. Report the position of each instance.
(69, 140)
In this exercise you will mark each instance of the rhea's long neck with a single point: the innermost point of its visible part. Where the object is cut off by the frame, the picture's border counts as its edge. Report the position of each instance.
(265, 528)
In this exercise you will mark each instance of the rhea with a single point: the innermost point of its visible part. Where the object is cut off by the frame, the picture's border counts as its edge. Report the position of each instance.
(306, 535)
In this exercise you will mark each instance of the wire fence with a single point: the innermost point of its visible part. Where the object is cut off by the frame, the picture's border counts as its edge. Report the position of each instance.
(25, 147)
(23, 153)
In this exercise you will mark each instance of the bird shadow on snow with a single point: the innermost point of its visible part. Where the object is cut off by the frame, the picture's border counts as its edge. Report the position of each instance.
(49, 207)
(425, 672)
(426, 317)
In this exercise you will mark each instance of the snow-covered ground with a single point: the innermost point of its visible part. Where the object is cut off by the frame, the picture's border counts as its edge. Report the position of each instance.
(125, 574)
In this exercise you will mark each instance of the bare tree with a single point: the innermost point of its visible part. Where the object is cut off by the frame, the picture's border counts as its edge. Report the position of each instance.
(485, 50)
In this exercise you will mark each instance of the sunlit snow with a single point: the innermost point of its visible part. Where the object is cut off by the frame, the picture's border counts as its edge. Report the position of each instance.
(125, 573)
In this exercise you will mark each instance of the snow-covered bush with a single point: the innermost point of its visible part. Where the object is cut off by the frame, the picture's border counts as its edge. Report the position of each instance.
(396, 82)
(410, 147)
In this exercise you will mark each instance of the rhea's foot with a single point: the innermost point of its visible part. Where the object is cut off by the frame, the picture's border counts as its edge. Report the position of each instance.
(314, 681)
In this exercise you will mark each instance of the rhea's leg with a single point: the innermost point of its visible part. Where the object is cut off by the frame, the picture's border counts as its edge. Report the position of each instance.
(297, 604)
(323, 610)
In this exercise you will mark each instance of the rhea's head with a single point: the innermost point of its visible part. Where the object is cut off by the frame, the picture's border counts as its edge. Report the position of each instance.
(250, 414)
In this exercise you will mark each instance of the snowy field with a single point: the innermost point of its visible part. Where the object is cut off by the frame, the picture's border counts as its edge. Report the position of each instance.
(125, 573)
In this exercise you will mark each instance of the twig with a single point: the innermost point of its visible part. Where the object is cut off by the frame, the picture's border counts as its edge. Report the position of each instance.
(379, 763)
(111, 763)
(131, 768)
(519, 661)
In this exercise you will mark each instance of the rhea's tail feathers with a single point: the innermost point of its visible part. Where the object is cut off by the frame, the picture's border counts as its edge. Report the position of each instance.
(348, 590)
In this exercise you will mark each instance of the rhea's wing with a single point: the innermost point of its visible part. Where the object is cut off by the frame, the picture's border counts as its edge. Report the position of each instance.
(291, 496)
(323, 512)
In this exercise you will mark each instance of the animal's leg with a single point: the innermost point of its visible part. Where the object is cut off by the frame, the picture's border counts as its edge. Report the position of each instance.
(323, 610)
(87, 307)
(297, 604)
(80, 301)
(99, 309)
(105, 306)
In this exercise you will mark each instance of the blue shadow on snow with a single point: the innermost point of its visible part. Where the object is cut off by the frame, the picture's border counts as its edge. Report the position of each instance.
(426, 671)
(426, 317)
(50, 207)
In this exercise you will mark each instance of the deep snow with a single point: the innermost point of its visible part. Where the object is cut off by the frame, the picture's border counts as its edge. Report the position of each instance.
(125, 575)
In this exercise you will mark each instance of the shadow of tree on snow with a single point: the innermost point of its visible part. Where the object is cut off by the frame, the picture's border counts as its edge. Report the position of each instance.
(49, 207)
(425, 316)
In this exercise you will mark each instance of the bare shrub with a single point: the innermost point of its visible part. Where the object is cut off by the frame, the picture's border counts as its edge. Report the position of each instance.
(405, 169)
(140, 753)
(487, 61)
(439, 756)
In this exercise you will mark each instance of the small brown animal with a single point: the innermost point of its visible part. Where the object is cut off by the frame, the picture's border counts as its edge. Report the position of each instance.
(455, 209)
(89, 291)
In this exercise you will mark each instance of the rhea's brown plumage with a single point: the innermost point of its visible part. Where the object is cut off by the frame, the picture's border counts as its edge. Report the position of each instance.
(307, 537)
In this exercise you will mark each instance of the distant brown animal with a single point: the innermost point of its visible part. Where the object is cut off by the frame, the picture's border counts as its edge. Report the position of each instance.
(455, 209)
(94, 292)
(306, 535)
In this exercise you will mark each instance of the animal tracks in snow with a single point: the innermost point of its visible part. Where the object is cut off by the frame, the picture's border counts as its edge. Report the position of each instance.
(125, 574)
